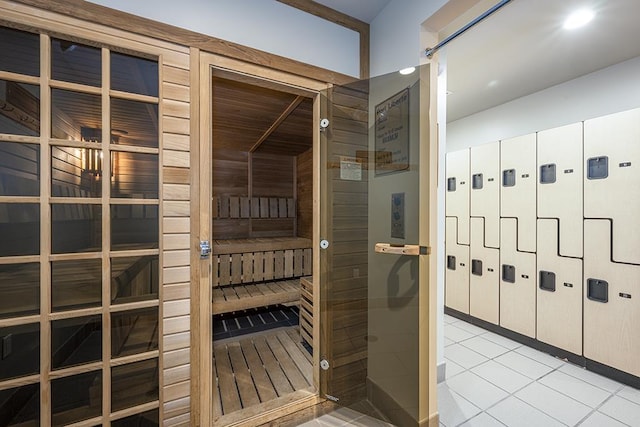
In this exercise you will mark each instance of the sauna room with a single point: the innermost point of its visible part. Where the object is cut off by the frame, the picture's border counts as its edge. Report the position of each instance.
(262, 216)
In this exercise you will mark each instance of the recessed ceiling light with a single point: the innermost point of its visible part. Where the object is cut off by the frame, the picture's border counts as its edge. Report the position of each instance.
(578, 18)
(407, 71)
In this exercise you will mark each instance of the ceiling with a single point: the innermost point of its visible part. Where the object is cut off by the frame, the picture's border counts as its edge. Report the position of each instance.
(364, 10)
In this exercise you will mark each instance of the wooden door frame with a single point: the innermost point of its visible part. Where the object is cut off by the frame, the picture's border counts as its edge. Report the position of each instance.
(201, 152)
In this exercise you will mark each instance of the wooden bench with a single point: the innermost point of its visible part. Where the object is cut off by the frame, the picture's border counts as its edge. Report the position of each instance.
(250, 273)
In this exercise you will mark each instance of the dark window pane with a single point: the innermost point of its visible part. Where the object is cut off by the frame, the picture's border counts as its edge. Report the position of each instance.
(20, 351)
(135, 175)
(73, 113)
(134, 384)
(134, 332)
(134, 227)
(19, 169)
(20, 289)
(76, 341)
(20, 108)
(76, 284)
(19, 52)
(132, 74)
(76, 228)
(146, 419)
(76, 63)
(76, 172)
(20, 406)
(76, 398)
(134, 123)
(134, 279)
(20, 229)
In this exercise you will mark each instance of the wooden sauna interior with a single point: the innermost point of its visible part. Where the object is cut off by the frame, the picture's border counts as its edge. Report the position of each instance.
(262, 215)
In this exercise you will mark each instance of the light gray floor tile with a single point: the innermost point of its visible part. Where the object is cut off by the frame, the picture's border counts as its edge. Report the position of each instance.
(590, 377)
(367, 421)
(622, 410)
(312, 423)
(514, 412)
(476, 390)
(450, 319)
(456, 334)
(447, 341)
(453, 408)
(483, 420)
(541, 357)
(500, 340)
(553, 403)
(452, 369)
(600, 420)
(579, 390)
(484, 347)
(505, 378)
(524, 365)
(472, 329)
(463, 356)
(630, 393)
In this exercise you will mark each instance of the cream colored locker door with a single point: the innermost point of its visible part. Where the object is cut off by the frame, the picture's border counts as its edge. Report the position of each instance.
(560, 172)
(484, 291)
(517, 283)
(612, 179)
(559, 292)
(457, 196)
(456, 270)
(485, 190)
(611, 303)
(518, 187)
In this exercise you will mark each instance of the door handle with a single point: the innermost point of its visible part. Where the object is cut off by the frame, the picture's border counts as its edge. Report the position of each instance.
(413, 250)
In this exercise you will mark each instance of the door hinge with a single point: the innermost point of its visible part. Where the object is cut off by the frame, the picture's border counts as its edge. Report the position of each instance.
(205, 249)
(332, 398)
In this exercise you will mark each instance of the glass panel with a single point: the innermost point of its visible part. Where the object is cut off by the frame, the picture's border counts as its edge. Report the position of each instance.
(20, 229)
(76, 228)
(19, 108)
(134, 384)
(146, 419)
(135, 175)
(19, 169)
(75, 115)
(75, 63)
(132, 74)
(19, 52)
(134, 227)
(20, 350)
(134, 332)
(76, 341)
(20, 406)
(76, 398)
(134, 123)
(76, 284)
(134, 279)
(20, 289)
(76, 172)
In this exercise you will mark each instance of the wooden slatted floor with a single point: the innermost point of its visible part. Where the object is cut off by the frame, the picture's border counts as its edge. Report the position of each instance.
(256, 371)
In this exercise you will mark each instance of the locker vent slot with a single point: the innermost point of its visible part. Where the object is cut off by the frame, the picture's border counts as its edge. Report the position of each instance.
(476, 181)
(508, 273)
(548, 281)
(508, 177)
(476, 267)
(598, 290)
(598, 167)
(451, 184)
(451, 262)
(548, 173)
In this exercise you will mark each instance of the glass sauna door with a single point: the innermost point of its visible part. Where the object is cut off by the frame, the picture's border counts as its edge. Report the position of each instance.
(376, 349)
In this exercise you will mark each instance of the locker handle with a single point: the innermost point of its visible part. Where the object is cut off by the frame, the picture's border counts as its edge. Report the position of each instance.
(623, 295)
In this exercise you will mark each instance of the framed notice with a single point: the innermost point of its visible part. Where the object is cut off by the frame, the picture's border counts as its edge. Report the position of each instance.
(392, 134)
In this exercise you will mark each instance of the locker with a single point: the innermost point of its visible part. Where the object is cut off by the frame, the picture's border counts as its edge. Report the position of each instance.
(456, 270)
(484, 290)
(560, 174)
(457, 192)
(559, 292)
(611, 190)
(518, 187)
(485, 190)
(611, 303)
(517, 282)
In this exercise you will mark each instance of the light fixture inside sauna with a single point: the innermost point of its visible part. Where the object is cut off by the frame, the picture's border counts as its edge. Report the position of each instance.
(91, 157)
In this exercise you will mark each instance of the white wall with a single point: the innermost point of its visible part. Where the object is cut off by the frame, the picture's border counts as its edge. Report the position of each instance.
(265, 25)
(610, 90)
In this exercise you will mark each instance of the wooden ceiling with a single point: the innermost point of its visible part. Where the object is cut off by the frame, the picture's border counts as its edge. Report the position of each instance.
(269, 121)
